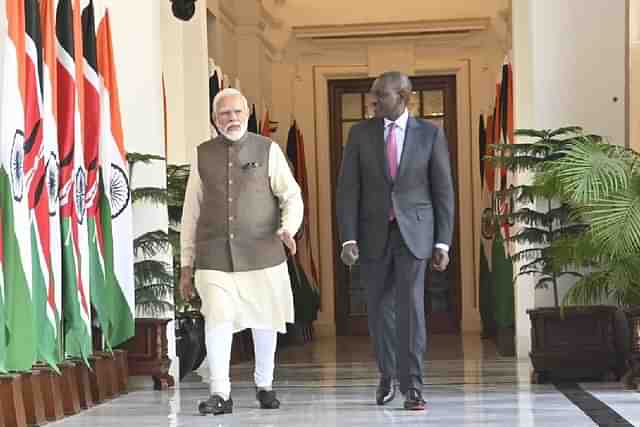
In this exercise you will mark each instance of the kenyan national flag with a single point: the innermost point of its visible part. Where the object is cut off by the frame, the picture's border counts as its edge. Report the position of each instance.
(41, 168)
(73, 186)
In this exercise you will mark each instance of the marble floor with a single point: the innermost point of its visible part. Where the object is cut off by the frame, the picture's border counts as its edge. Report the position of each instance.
(331, 382)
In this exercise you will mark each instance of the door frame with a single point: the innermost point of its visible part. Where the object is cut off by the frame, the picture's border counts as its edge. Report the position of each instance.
(346, 325)
(313, 78)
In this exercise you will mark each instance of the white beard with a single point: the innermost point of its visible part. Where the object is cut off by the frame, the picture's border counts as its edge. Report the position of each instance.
(235, 135)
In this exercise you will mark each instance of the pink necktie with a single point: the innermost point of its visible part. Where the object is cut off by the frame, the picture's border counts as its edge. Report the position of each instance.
(392, 151)
(392, 160)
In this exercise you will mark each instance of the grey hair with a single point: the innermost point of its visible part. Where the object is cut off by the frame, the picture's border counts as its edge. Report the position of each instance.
(224, 93)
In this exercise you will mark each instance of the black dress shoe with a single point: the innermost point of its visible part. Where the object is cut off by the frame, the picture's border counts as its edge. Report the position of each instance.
(216, 405)
(385, 392)
(267, 399)
(413, 400)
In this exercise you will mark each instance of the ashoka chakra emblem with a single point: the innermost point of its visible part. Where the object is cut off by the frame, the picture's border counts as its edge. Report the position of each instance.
(120, 194)
(17, 166)
(53, 182)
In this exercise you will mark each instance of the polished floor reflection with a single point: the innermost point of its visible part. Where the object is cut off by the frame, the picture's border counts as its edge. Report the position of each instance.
(331, 382)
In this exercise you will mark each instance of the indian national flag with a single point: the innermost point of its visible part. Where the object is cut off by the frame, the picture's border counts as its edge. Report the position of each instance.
(73, 188)
(14, 197)
(116, 201)
(3, 334)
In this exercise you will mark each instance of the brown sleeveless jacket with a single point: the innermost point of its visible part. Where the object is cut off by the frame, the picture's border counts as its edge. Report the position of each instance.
(239, 215)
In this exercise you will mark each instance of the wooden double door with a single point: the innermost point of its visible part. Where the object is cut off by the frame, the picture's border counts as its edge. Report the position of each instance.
(434, 99)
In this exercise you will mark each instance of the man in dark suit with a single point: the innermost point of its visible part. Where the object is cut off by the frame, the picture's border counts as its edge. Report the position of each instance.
(395, 207)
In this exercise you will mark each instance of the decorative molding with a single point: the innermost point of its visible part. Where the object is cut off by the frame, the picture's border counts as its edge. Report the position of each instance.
(271, 20)
(271, 51)
(411, 29)
(226, 17)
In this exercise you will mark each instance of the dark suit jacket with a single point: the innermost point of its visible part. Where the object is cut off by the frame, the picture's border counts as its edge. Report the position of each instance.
(422, 193)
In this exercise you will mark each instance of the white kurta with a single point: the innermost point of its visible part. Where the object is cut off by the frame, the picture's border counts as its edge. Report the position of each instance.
(259, 299)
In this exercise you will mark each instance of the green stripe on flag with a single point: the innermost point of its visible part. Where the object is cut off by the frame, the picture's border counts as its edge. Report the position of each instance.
(3, 334)
(99, 299)
(21, 330)
(47, 346)
(123, 328)
(503, 278)
(121, 317)
(77, 337)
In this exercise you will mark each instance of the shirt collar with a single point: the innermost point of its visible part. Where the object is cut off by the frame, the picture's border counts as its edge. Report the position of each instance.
(401, 121)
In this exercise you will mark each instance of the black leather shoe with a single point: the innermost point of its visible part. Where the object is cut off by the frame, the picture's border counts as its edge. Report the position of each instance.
(267, 399)
(216, 405)
(413, 400)
(386, 391)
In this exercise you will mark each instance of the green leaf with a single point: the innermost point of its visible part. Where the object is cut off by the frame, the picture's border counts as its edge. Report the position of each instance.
(152, 271)
(534, 133)
(588, 171)
(526, 254)
(565, 130)
(133, 158)
(151, 243)
(538, 263)
(149, 194)
(615, 221)
(531, 235)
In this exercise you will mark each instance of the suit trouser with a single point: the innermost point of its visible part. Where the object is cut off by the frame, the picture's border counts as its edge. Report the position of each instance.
(397, 326)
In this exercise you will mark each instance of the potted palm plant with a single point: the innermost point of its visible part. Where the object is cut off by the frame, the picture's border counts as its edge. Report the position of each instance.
(602, 181)
(147, 350)
(567, 341)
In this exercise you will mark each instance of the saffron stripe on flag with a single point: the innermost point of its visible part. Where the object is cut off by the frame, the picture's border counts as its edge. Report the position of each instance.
(14, 200)
(116, 206)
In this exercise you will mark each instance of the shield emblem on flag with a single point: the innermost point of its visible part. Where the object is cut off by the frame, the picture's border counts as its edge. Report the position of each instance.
(81, 189)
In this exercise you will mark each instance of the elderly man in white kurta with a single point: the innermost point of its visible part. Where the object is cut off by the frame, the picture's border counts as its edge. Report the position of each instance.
(242, 203)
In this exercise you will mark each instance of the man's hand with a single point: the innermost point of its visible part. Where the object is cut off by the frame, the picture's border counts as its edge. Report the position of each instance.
(186, 284)
(350, 254)
(440, 259)
(288, 241)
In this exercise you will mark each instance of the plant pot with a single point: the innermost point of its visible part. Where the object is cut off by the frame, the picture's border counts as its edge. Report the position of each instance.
(190, 341)
(581, 343)
(147, 352)
(633, 351)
